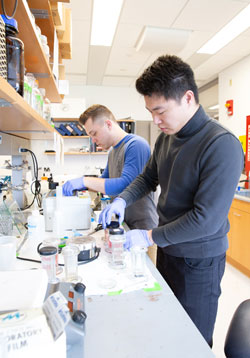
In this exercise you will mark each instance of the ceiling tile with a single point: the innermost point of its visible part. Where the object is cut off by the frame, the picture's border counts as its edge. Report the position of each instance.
(209, 15)
(117, 81)
(152, 13)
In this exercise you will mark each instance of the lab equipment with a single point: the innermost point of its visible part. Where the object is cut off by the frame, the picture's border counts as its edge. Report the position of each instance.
(7, 253)
(138, 261)
(86, 245)
(70, 255)
(15, 55)
(48, 259)
(105, 201)
(74, 294)
(36, 226)
(75, 211)
(117, 238)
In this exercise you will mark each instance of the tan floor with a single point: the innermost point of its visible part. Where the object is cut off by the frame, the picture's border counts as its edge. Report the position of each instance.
(235, 289)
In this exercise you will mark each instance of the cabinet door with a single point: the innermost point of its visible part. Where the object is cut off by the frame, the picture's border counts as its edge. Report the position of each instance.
(240, 247)
(231, 232)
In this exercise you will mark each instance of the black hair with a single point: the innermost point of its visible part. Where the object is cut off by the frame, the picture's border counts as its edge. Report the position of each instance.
(168, 76)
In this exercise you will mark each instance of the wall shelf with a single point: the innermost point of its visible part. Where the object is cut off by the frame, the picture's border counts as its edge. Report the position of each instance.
(16, 116)
(77, 120)
(80, 153)
(75, 137)
(35, 59)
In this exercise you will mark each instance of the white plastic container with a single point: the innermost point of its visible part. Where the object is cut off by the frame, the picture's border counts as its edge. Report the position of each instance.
(75, 212)
(36, 229)
(7, 253)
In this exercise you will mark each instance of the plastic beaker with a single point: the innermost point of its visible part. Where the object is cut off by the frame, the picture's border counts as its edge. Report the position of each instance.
(70, 256)
(54, 242)
(138, 261)
(7, 253)
(48, 259)
(117, 239)
(107, 242)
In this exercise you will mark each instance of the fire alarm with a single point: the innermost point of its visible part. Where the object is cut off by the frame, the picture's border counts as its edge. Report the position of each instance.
(229, 106)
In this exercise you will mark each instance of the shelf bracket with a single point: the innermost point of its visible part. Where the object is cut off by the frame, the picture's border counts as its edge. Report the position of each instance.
(40, 14)
(4, 103)
(41, 75)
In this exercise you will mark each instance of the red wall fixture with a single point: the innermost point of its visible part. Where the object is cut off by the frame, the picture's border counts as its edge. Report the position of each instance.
(230, 107)
(247, 157)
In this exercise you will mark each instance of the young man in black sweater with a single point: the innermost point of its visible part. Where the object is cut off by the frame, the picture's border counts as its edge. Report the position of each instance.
(197, 163)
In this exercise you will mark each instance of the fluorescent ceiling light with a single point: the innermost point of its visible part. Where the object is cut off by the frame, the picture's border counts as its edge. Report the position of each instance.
(216, 106)
(105, 17)
(237, 25)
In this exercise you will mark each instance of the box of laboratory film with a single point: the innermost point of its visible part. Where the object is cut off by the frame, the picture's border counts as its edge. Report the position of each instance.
(25, 333)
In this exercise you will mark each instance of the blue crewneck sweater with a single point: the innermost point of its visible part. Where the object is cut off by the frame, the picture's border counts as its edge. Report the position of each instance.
(198, 170)
(136, 155)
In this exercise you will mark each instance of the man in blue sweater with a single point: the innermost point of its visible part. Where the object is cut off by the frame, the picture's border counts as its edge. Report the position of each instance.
(197, 163)
(126, 160)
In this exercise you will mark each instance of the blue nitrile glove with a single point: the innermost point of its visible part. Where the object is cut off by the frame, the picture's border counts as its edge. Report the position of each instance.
(73, 184)
(117, 207)
(137, 238)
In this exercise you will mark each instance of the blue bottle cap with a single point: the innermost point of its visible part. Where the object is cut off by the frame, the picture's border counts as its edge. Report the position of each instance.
(10, 22)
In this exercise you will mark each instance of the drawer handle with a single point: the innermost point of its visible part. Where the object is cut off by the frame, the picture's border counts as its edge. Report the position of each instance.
(236, 214)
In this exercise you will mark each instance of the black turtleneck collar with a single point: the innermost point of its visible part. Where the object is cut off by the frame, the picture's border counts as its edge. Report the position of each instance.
(198, 120)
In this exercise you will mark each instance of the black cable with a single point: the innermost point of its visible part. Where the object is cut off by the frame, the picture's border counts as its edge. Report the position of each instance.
(37, 190)
(98, 250)
(13, 12)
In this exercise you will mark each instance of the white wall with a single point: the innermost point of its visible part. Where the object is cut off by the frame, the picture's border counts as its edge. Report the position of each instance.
(234, 83)
(122, 101)
(74, 165)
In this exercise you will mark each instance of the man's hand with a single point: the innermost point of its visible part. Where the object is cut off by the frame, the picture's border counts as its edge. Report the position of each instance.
(137, 238)
(117, 207)
(73, 184)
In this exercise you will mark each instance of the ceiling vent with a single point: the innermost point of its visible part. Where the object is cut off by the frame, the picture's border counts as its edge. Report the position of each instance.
(160, 39)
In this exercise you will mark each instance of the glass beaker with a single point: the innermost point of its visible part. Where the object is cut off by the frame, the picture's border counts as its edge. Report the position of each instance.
(138, 261)
(70, 255)
(48, 259)
(117, 239)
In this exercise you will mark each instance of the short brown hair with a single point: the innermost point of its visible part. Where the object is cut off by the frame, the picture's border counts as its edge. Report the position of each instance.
(95, 112)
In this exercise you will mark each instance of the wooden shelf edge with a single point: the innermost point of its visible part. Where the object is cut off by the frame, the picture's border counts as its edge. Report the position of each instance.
(19, 117)
(35, 59)
(75, 136)
(76, 153)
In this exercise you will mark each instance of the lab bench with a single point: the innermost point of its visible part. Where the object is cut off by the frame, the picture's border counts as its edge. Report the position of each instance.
(141, 323)
(146, 323)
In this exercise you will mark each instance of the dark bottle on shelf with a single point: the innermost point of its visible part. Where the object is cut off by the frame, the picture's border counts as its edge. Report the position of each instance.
(15, 55)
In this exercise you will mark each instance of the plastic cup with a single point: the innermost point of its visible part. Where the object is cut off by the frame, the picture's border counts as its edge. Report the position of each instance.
(7, 253)
(70, 255)
(117, 239)
(138, 260)
(48, 259)
(55, 243)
